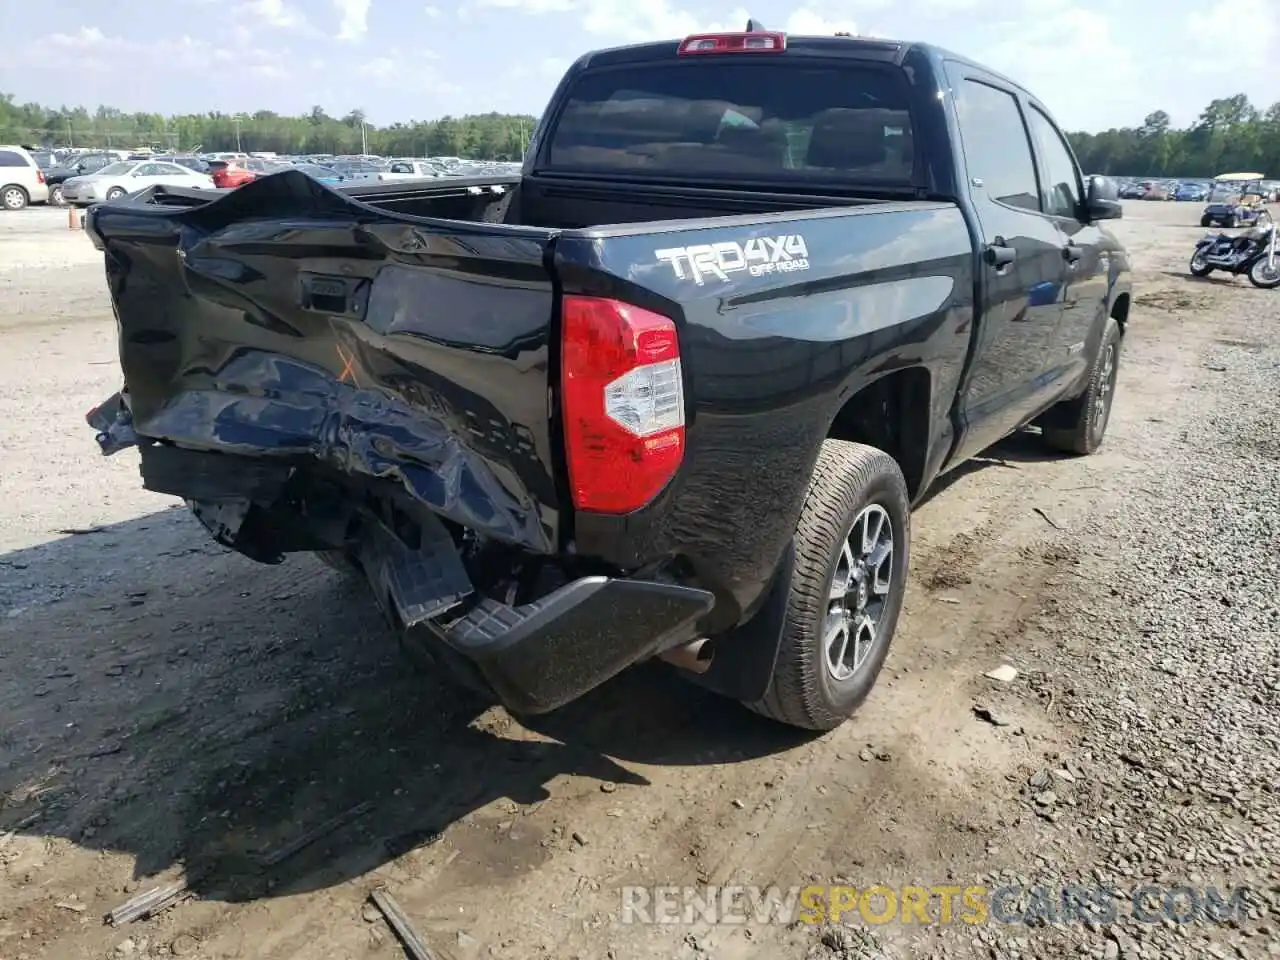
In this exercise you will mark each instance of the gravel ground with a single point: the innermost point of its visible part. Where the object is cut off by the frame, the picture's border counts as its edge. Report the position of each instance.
(167, 706)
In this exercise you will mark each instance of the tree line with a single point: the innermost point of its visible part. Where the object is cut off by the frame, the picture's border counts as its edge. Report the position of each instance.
(1230, 134)
(488, 136)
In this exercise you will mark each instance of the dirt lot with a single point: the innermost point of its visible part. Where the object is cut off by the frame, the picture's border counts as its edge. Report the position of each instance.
(166, 705)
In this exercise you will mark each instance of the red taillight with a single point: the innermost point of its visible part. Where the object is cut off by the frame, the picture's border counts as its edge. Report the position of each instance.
(39, 176)
(755, 42)
(623, 397)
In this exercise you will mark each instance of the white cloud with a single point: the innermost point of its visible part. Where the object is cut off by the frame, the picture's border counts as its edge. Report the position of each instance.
(86, 38)
(1250, 34)
(554, 67)
(381, 68)
(400, 72)
(432, 12)
(1066, 55)
(273, 13)
(633, 22)
(354, 18)
(534, 7)
(96, 52)
(807, 21)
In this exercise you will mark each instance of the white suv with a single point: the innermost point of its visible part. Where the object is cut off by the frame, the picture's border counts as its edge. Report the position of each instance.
(21, 179)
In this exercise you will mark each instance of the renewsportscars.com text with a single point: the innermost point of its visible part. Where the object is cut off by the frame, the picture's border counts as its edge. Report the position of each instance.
(937, 904)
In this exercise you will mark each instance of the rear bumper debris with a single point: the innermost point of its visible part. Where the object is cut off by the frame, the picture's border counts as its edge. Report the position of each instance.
(534, 657)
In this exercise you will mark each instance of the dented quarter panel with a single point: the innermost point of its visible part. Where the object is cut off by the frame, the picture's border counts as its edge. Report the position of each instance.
(382, 346)
(768, 362)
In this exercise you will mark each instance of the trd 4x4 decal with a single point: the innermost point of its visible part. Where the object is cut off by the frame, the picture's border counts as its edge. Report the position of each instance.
(759, 256)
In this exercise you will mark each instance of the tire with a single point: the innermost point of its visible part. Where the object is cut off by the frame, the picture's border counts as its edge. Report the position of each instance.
(14, 197)
(1259, 276)
(115, 193)
(1198, 267)
(55, 196)
(1090, 413)
(852, 484)
(1206, 221)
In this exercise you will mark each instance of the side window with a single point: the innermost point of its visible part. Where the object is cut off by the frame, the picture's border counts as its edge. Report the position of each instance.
(172, 170)
(10, 159)
(92, 164)
(1059, 175)
(996, 148)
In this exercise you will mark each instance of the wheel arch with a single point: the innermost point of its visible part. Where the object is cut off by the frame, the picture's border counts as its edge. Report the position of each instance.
(1120, 311)
(892, 413)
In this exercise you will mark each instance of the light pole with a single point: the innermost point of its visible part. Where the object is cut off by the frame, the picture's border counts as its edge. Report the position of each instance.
(364, 138)
(237, 120)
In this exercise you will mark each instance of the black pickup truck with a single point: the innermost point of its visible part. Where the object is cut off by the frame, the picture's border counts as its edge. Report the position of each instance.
(672, 391)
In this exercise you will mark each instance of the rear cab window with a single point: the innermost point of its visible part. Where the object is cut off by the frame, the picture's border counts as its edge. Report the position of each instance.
(776, 119)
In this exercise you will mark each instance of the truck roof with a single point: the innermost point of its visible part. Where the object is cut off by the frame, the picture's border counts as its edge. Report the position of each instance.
(873, 49)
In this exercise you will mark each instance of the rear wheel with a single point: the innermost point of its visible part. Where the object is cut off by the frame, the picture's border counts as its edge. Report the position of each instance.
(115, 193)
(13, 197)
(852, 548)
(1206, 221)
(1089, 414)
(55, 195)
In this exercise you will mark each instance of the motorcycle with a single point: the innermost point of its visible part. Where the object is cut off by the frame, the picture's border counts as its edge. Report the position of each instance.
(1252, 253)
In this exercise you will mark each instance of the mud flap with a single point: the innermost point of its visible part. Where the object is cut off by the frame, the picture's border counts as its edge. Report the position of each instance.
(411, 584)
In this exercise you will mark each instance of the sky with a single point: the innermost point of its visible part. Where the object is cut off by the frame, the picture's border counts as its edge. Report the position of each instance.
(1095, 63)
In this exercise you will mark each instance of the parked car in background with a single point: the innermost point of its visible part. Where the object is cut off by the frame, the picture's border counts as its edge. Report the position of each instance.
(411, 169)
(229, 173)
(75, 166)
(238, 172)
(22, 182)
(1157, 191)
(129, 176)
(1190, 190)
(357, 169)
(191, 163)
(313, 170)
(45, 159)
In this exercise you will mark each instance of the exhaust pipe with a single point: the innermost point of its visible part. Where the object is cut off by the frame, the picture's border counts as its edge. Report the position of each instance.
(694, 656)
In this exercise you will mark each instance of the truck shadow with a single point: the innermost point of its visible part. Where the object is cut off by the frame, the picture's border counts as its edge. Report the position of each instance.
(168, 700)
(1025, 446)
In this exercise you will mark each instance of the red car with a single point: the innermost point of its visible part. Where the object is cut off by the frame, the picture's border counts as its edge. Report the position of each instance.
(236, 173)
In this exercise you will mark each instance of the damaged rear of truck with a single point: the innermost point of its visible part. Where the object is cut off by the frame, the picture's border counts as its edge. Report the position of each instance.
(567, 421)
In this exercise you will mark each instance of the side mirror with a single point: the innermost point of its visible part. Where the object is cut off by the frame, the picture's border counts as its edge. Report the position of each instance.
(1102, 202)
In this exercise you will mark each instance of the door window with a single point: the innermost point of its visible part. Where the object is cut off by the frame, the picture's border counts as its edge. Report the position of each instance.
(10, 159)
(1059, 175)
(996, 148)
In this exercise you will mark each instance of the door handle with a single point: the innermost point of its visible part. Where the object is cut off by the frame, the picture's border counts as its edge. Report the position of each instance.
(1071, 253)
(998, 255)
